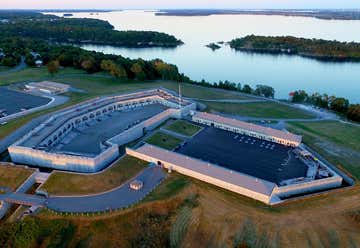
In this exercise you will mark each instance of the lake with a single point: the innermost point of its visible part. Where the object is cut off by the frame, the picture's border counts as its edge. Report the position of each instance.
(283, 72)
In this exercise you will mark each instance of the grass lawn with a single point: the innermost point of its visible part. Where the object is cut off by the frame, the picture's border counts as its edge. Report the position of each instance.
(259, 110)
(183, 127)
(103, 83)
(13, 176)
(163, 140)
(338, 142)
(63, 183)
(4, 68)
(172, 185)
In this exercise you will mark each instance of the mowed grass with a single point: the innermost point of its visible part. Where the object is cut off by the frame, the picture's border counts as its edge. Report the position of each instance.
(259, 110)
(63, 183)
(183, 127)
(173, 185)
(336, 141)
(103, 83)
(163, 140)
(13, 176)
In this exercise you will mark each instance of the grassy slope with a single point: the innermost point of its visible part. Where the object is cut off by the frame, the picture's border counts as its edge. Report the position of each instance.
(219, 218)
(260, 110)
(338, 142)
(62, 183)
(183, 127)
(13, 177)
(163, 140)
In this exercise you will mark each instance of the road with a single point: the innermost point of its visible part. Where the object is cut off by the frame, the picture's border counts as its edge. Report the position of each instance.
(117, 198)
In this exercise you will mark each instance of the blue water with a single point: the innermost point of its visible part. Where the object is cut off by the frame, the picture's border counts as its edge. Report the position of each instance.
(284, 73)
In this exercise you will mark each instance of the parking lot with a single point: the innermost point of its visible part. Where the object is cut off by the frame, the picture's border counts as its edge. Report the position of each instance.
(87, 138)
(255, 157)
(13, 101)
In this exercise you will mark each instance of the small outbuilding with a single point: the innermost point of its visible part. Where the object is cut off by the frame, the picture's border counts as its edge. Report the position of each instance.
(136, 185)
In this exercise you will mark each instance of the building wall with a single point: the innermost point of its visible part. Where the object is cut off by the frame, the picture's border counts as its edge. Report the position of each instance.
(308, 187)
(202, 177)
(246, 132)
(129, 135)
(26, 155)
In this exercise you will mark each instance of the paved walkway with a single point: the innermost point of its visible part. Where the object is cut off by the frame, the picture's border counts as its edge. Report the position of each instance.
(175, 134)
(23, 199)
(117, 198)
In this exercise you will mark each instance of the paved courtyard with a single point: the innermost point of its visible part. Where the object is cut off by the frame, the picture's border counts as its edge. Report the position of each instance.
(87, 139)
(255, 157)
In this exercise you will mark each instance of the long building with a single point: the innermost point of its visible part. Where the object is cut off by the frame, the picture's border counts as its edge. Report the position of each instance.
(258, 189)
(249, 129)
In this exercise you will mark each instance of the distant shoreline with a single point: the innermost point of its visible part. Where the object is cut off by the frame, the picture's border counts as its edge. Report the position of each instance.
(319, 14)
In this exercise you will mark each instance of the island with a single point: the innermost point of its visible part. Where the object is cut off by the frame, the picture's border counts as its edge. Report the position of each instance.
(79, 31)
(319, 49)
(213, 46)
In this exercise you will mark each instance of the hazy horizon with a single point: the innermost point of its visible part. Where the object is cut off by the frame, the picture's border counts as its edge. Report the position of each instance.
(181, 4)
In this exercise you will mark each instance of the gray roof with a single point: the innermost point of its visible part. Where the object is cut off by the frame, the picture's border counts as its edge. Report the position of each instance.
(250, 127)
(211, 170)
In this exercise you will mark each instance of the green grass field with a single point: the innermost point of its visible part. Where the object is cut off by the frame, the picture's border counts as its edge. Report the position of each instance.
(259, 110)
(183, 127)
(338, 142)
(164, 141)
(63, 183)
(13, 176)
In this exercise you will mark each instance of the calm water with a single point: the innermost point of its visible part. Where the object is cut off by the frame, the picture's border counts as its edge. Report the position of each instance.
(284, 73)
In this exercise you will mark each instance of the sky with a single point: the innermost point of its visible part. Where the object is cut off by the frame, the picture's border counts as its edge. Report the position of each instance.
(158, 4)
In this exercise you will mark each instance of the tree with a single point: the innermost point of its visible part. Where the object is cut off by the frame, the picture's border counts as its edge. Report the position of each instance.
(53, 67)
(165, 70)
(88, 64)
(9, 61)
(300, 96)
(138, 71)
(264, 90)
(247, 89)
(114, 69)
(353, 112)
(29, 60)
(339, 105)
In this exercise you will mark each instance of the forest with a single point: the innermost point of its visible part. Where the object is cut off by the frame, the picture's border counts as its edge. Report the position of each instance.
(78, 31)
(324, 50)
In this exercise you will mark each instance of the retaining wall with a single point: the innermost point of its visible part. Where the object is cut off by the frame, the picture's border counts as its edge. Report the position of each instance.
(308, 187)
(40, 158)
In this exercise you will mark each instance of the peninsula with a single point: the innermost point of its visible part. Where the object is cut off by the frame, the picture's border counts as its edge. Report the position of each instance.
(312, 48)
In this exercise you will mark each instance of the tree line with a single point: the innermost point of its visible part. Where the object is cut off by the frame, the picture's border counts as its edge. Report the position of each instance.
(314, 48)
(337, 104)
(79, 30)
(259, 90)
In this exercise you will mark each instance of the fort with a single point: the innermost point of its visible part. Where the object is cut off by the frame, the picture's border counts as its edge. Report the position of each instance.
(55, 143)
(266, 164)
